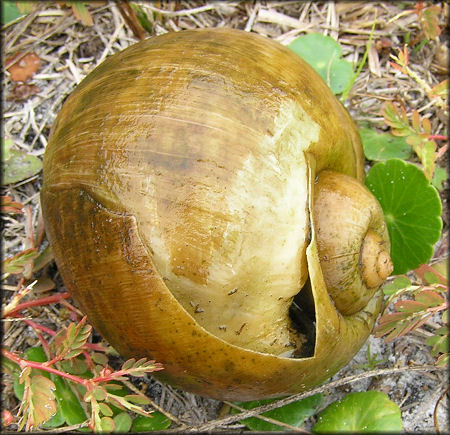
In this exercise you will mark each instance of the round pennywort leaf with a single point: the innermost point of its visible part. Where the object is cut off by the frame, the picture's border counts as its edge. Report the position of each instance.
(323, 53)
(383, 146)
(360, 412)
(439, 177)
(412, 209)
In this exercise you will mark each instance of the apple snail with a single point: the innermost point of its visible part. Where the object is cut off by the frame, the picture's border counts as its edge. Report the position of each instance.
(203, 196)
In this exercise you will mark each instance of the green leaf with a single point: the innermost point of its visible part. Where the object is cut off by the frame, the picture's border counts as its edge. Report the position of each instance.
(383, 146)
(397, 119)
(35, 354)
(40, 400)
(56, 421)
(7, 145)
(69, 409)
(10, 12)
(18, 388)
(410, 306)
(323, 53)
(81, 13)
(439, 344)
(99, 358)
(17, 264)
(431, 278)
(427, 155)
(142, 17)
(18, 165)
(105, 409)
(117, 387)
(440, 175)
(44, 258)
(122, 422)
(369, 411)
(106, 424)
(412, 209)
(157, 421)
(70, 406)
(430, 298)
(99, 393)
(428, 18)
(128, 364)
(443, 360)
(77, 366)
(399, 283)
(138, 399)
(440, 90)
(10, 206)
(293, 414)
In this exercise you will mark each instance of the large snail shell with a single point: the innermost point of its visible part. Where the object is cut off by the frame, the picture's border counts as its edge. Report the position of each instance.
(178, 199)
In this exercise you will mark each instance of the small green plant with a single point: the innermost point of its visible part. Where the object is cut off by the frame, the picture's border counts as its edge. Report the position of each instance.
(372, 360)
(54, 379)
(413, 304)
(81, 12)
(417, 134)
(428, 20)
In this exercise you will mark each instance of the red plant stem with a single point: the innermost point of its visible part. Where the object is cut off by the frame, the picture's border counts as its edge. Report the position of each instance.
(29, 243)
(437, 137)
(55, 360)
(38, 302)
(44, 343)
(97, 347)
(71, 307)
(89, 361)
(35, 325)
(36, 365)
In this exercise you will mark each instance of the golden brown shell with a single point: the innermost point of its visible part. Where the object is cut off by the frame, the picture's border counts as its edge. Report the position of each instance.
(178, 192)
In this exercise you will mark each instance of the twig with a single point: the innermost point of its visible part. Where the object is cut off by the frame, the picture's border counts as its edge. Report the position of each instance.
(130, 18)
(156, 406)
(268, 407)
(67, 428)
(435, 416)
(269, 420)
(37, 326)
(181, 12)
(42, 301)
(37, 365)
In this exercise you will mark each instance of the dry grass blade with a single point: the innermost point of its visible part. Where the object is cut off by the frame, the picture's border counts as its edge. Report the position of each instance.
(270, 420)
